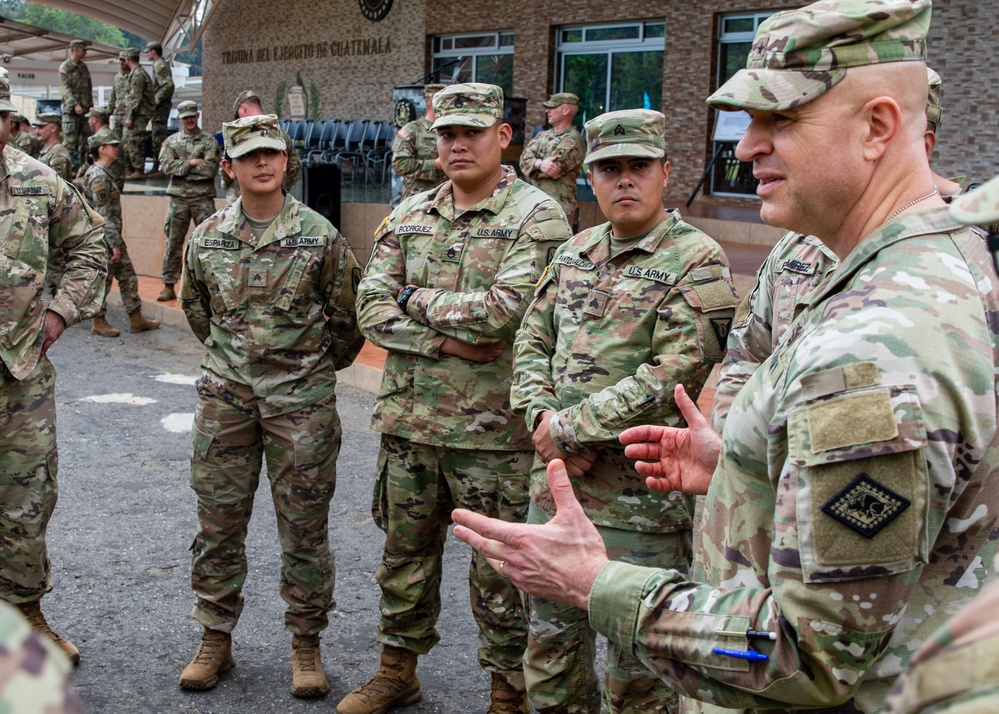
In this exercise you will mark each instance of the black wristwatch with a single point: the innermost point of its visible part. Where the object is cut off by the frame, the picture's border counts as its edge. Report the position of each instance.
(403, 299)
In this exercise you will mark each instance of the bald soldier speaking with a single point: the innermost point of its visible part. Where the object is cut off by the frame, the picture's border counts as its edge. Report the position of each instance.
(852, 506)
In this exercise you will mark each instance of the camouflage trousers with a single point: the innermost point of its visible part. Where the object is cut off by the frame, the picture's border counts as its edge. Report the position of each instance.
(133, 145)
(417, 488)
(178, 219)
(561, 645)
(75, 131)
(230, 440)
(158, 125)
(28, 486)
(128, 284)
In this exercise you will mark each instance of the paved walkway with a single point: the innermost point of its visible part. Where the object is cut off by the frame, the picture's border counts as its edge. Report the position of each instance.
(366, 371)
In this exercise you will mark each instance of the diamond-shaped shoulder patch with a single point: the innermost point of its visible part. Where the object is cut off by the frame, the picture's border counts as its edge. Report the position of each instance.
(866, 506)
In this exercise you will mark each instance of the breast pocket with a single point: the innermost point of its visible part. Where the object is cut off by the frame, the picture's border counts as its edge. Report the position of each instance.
(862, 483)
(290, 283)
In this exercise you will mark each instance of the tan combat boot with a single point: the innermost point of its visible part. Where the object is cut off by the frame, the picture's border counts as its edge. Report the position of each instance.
(213, 658)
(394, 685)
(166, 293)
(508, 697)
(99, 326)
(32, 612)
(136, 176)
(137, 323)
(307, 676)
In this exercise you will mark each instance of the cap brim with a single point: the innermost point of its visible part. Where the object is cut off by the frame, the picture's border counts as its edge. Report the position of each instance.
(6, 106)
(624, 150)
(258, 142)
(185, 115)
(772, 90)
(550, 105)
(464, 120)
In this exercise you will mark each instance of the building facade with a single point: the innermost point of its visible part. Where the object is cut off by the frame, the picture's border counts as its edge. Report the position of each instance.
(659, 54)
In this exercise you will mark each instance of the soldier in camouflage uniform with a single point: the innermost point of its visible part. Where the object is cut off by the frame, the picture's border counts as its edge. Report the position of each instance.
(22, 136)
(190, 158)
(119, 93)
(248, 104)
(77, 98)
(269, 287)
(955, 671)
(414, 151)
(54, 155)
(853, 503)
(552, 160)
(138, 110)
(796, 265)
(34, 674)
(38, 212)
(595, 356)
(101, 190)
(445, 289)
(162, 96)
(99, 118)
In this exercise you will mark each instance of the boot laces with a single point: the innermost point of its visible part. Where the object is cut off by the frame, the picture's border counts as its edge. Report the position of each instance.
(305, 650)
(210, 644)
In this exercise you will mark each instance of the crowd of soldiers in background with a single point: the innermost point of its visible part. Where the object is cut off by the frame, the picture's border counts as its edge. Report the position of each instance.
(813, 584)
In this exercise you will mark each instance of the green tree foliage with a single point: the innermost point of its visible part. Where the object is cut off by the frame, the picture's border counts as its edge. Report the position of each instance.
(57, 20)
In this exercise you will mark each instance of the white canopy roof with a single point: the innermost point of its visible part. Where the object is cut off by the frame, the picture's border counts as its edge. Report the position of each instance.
(178, 24)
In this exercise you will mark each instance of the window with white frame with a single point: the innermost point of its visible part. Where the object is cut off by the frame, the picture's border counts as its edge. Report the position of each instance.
(479, 57)
(729, 176)
(612, 66)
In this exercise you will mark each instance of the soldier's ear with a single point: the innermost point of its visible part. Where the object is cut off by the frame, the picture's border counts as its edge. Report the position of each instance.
(227, 167)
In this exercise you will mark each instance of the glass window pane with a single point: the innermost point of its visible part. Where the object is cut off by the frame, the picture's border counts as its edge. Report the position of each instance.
(637, 81)
(586, 77)
(603, 34)
(506, 39)
(572, 35)
(487, 41)
(655, 30)
(495, 69)
(453, 73)
(733, 58)
(739, 24)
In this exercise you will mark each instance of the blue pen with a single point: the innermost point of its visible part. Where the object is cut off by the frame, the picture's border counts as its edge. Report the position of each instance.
(751, 655)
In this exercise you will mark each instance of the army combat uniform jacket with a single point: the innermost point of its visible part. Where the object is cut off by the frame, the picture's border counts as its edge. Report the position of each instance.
(414, 149)
(567, 149)
(604, 344)
(76, 86)
(795, 266)
(117, 100)
(101, 189)
(854, 504)
(39, 211)
(475, 271)
(188, 181)
(276, 315)
(56, 157)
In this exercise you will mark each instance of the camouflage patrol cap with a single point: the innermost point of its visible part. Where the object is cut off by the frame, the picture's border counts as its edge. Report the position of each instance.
(472, 104)
(131, 53)
(5, 104)
(980, 207)
(800, 54)
(102, 137)
(561, 98)
(123, 55)
(244, 96)
(187, 109)
(250, 133)
(934, 102)
(47, 118)
(154, 46)
(98, 113)
(429, 90)
(81, 44)
(628, 132)
(16, 119)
